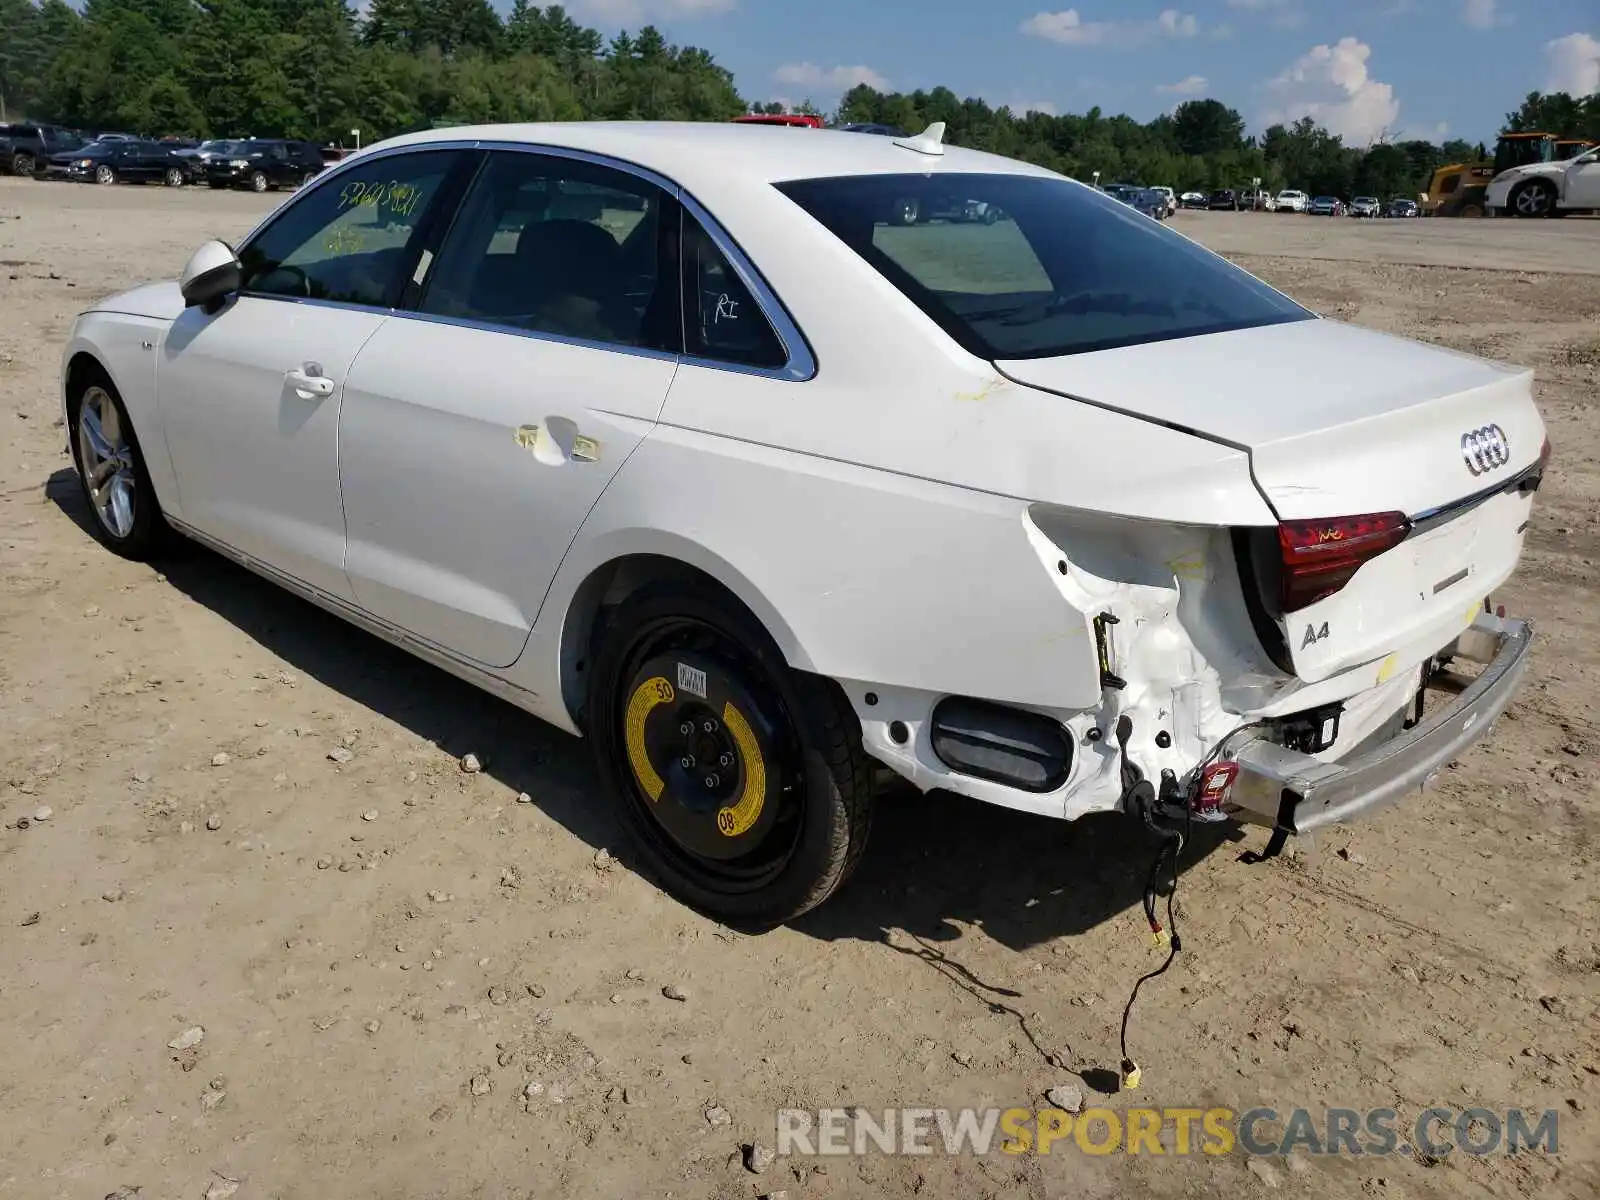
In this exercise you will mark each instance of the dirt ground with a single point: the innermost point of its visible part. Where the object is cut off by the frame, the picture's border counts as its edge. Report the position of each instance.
(384, 954)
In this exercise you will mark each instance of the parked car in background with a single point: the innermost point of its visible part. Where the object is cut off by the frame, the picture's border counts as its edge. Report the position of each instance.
(1326, 206)
(26, 147)
(1171, 198)
(872, 127)
(1401, 207)
(1152, 202)
(197, 160)
(1119, 191)
(1290, 200)
(120, 162)
(1365, 206)
(1192, 200)
(1258, 201)
(1223, 200)
(425, 397)
(262, 164)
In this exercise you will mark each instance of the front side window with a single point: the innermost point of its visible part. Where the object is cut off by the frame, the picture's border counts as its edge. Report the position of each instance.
(346, 239)
(561, 246)
(1021, 266)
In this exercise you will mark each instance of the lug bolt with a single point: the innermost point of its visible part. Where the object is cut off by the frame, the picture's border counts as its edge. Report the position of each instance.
(712, 781)
(725, 761)
(686, 728)
(709, 727)
(686, 762)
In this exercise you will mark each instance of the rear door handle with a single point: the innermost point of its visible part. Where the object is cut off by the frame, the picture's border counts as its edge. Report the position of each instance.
(310, 383)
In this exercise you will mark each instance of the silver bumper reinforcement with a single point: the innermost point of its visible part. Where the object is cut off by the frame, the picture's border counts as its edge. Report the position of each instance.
(1298, 794)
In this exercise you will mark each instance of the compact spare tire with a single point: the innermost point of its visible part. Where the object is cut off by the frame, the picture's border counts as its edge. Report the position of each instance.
(742, 781)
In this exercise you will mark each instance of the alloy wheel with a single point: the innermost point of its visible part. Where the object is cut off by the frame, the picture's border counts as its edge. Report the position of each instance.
(107, 459)
(1532, 201)
(104, 175)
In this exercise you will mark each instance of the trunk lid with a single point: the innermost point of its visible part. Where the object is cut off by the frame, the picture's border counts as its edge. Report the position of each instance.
(1341, 421)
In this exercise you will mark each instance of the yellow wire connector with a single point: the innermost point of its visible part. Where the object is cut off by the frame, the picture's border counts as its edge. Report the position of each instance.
(1130, 1074)
(1160, 939)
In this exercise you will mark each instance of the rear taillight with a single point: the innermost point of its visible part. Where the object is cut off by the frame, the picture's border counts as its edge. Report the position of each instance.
(1319, 557)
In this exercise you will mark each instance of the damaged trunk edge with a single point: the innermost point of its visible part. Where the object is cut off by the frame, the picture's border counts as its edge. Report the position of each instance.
(1219, 641)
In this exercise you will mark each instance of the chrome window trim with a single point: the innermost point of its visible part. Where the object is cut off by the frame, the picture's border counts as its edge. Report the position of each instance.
(801, 365)
(537, 335)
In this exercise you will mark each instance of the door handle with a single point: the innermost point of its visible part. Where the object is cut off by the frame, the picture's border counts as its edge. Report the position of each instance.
(310, 383)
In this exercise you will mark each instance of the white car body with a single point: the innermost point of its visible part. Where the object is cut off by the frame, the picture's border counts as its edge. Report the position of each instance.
(1540, 189)
(1056, 535)
(1290, 200)
(1172, 199)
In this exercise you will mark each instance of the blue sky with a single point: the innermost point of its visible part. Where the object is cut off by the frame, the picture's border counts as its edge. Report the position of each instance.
(1429, 68)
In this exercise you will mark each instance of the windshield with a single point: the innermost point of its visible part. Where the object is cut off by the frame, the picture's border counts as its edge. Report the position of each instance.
(1064, 270)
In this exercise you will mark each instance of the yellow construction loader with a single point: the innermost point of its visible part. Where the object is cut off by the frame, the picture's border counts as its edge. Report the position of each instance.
(1457, 190)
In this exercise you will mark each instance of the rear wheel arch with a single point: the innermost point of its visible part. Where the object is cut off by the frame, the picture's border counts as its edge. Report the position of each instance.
(606, 586)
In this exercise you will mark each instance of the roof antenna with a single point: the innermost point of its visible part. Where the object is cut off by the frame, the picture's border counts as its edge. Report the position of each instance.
(929, 141)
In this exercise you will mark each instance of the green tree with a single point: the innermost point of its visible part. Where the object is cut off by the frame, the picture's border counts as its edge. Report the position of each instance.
(1202, 127)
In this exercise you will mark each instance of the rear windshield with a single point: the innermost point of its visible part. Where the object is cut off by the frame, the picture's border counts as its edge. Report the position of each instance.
(1018, 266)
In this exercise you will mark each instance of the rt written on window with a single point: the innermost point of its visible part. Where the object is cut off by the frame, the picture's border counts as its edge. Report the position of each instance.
(723, 322)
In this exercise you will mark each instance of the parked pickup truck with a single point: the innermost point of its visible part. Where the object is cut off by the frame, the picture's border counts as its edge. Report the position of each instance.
(25, 148)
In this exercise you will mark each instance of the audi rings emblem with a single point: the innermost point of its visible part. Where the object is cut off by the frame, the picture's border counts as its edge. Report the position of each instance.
(1485, 449)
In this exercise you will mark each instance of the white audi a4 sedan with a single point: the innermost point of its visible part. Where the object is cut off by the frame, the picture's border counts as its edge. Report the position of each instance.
(682, 438)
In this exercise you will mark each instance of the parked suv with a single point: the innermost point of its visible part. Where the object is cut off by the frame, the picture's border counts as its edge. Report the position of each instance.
(263, 163)
(25, 148)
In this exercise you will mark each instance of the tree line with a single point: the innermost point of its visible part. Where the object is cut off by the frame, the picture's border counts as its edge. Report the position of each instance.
(1202, 144)
(313, 69)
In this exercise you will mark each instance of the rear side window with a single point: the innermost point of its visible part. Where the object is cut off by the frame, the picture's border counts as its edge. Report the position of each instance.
(346, 239)
(560, 246)
(722, 320)
(1019, 266)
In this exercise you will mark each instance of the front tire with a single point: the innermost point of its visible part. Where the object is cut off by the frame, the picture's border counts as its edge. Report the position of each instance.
(259, 182)
(125, 514)
(105, 176)
(742, 782)
(1535, 198)
(22, 164)
(174, 177)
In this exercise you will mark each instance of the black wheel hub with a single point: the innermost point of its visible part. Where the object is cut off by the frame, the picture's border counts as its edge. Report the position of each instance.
(705, 755)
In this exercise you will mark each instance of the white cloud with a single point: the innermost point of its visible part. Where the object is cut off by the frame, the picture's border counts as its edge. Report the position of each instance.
(1574, 64)
(1069, 29)
(1331, 85)
(1481, 14)
(631, 12)
(1281, 14)
(829, 80)
(1195, 85)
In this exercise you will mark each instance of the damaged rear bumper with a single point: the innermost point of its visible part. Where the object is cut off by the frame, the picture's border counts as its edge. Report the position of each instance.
(1296, 793)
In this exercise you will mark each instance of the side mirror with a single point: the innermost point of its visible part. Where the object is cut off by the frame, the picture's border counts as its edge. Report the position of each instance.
(210, 276)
